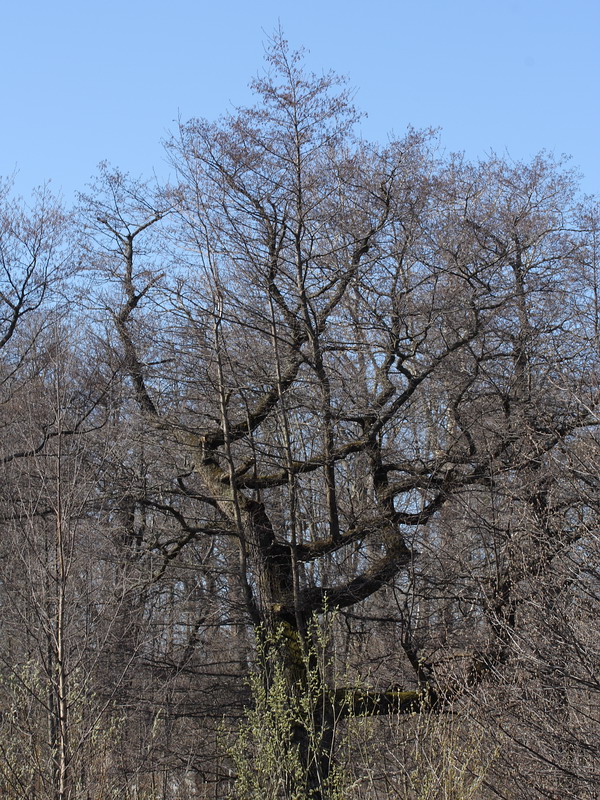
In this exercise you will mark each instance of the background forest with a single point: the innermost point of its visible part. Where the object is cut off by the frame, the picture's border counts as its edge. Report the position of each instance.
(322, 412)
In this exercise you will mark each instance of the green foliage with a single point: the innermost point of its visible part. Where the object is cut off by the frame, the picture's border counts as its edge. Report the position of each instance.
(422, 755)
(27, 751)
(281, 741)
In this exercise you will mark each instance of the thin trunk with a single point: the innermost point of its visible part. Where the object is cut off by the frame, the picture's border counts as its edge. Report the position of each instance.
(62, 788)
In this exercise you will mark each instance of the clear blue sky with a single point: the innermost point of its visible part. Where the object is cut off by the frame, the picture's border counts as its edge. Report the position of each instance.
(84, 81)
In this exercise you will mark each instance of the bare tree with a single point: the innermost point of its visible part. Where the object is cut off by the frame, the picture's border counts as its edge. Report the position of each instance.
(368, 365)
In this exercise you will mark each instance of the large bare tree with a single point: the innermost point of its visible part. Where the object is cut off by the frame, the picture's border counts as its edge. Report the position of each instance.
(370, 368)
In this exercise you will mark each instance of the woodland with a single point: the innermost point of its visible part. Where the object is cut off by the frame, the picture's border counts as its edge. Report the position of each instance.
(300, 469)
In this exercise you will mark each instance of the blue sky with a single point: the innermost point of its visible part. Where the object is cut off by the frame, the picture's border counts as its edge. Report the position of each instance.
(88, 81)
